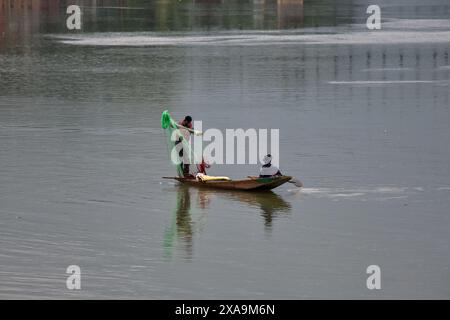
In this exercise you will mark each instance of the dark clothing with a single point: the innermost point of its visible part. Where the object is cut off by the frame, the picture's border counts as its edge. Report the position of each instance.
(278, 174)
(184, 167)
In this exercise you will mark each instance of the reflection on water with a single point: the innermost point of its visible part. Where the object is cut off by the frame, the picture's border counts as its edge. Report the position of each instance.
(181, 227)
(187, 219)
(290, 14)
(21, 18)
(269, 203)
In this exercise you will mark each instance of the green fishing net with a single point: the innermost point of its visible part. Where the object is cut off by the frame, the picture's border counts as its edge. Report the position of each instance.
(178, 145)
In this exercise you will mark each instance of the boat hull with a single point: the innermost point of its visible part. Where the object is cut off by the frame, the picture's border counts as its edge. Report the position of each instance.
(253, 183)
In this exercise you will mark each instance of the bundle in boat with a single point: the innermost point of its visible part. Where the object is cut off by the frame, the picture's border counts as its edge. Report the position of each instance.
(204, 177)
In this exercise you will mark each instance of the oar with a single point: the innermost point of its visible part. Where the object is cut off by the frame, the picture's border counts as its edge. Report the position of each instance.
(296, 182)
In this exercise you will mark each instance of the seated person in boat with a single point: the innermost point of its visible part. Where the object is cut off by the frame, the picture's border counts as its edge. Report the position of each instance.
(203, 166)
(268, 169)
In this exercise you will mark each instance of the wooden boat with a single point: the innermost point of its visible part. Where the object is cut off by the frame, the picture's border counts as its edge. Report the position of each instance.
(252, 183)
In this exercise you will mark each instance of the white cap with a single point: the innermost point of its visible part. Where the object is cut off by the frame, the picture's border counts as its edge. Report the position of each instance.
(267, 159)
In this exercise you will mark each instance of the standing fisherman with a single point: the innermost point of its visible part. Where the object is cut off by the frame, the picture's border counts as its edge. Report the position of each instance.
(185, 127)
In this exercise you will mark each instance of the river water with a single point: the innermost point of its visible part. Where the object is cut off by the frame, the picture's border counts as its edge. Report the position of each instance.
(363, 119)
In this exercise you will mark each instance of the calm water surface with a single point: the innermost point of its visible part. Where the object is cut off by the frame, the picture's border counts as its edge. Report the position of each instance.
(364, 123)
